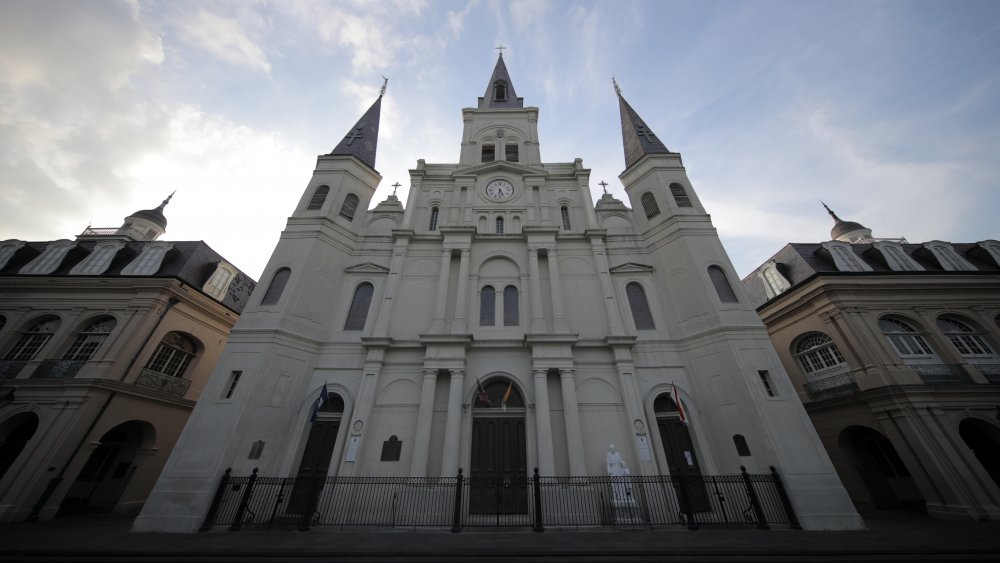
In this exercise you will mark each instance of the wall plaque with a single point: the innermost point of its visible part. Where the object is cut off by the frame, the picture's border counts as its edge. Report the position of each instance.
(391, 449)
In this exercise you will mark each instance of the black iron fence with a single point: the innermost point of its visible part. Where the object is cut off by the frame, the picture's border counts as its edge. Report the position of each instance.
(742, 500)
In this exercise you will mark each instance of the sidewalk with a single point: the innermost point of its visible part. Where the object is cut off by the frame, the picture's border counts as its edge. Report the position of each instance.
(889, 537)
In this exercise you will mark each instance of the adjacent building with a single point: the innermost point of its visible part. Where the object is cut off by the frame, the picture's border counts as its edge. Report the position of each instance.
(892, 348)
(106, 343)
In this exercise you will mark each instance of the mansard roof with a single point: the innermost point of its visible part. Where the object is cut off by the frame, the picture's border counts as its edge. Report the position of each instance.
(637, 138)
(500, 75)
(361, 141)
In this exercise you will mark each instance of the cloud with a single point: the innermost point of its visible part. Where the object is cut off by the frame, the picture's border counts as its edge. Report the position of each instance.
(227, 38)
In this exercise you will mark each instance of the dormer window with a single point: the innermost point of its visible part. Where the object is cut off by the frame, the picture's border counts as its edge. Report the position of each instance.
(774, 282)
(218, 283)
(97, 262)
(48, 261)
(948, 258)
(500, 91)
(897, 258)
(990, 246)
(7, 250)
(148, 263)
(489, 152)
(844, 257)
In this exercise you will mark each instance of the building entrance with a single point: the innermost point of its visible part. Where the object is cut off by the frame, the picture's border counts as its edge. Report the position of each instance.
(498, 473)
(315, 463)
(679, 451)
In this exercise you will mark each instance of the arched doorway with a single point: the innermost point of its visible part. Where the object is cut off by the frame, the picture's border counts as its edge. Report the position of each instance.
(881, 469)
(14, 435)
(108, 470)
(984, 441)
(315, 463)
(682, 460)
(498, 471)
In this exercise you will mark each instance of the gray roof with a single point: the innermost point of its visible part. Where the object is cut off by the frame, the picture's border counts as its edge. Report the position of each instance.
(154, 215)
(500, 73)
(191, 262)
(638, 139)
(361, 140)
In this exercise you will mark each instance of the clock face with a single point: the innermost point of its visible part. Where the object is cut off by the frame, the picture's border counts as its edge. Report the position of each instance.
(499, 190)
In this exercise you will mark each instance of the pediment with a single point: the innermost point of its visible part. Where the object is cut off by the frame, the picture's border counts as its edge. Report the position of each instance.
(498, 165)
(366, 268)
(632, 268)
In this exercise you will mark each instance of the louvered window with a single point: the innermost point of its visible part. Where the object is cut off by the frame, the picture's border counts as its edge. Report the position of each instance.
(319, 197)
(349, 207)
(649, 205)
(680, 195)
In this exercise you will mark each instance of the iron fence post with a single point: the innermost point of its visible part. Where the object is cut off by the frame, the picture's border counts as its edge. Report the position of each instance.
(754, 501)
(539, 526)
(311, 502)
(213, 508)
(244, 503)
(793, 520)
(456, 523)
(686, 501)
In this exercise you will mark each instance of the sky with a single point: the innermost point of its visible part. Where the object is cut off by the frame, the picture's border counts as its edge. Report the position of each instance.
(887, 111)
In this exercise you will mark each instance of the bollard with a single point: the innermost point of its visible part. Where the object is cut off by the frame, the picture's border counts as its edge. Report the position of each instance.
(538, 527)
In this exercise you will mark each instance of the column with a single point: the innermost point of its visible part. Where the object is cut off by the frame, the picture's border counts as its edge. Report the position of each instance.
(543, 424)
(607, 286)
(422, 435)
(574, 434)
(558, 311)
(537, 319)
(395, 267)
(453, 425)
(437, 325)
(461, 322)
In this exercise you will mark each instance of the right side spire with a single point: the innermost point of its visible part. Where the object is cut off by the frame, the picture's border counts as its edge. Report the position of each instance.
(638, 139)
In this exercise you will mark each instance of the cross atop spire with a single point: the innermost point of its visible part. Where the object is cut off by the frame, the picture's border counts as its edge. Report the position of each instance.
(500, 48)
(603, 185)
(394, 188)
(385, 84)
(618, 91)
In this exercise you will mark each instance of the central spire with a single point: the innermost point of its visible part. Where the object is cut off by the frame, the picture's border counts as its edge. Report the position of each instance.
(500, 90)
(362, 139)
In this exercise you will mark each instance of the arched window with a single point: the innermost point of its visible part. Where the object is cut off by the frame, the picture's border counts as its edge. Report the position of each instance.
(173, 356)
(90, 339)
(434, 219)
(907, 341)
(680, 195)
(349, 207)
(564, 211)
(510, 310)
(358, 314)
(641, 314)
(649, 205)
(33, 339)
(487, 306)
(721, 283)
(277, 287)
(319, 197)
(964, 338)
(500, 91)
(742, 449)
(817, 352)
(499, 225)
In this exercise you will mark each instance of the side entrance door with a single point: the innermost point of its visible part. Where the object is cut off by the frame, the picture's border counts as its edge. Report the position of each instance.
(681, 459)
(315, 463)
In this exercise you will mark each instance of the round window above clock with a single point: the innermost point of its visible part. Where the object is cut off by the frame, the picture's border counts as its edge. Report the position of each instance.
(499, 190)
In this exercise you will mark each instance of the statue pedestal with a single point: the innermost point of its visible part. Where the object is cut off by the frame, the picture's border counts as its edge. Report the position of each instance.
(624, 508)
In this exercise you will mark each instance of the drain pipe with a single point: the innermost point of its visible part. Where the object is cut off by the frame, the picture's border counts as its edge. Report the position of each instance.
(54, 482)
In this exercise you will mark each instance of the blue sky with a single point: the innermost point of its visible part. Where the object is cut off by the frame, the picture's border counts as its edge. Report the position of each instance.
(888, 111)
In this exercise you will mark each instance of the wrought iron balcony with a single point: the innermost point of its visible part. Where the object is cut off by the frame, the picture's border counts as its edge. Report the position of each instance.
(10, 368)
(838, 385)
(990, 371)
(163, 382)
(941, 374)
(58, 368)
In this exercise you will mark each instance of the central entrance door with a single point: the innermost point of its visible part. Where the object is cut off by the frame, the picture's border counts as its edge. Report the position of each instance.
(498, 474)
(315, 463)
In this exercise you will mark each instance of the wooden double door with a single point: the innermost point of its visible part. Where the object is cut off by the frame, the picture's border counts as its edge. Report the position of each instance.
(315, 465)
(498, 474)
(682, 460)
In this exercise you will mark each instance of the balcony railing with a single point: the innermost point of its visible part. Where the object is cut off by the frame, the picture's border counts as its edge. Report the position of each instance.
(163, 382)
(838, 385)
(941, 374)
(102, 232)
(10, 368)
(58, 368)
(990, 371)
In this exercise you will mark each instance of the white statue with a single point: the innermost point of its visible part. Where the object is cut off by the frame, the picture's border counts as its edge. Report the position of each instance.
(616, 464)
(620, 487)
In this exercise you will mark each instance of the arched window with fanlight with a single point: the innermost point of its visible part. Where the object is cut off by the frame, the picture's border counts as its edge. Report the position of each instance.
(967, 340)
(173, 355)
(905, 339)
(349, 207)
(357, 316)
(434, 220)
(649, 205)
(318, 197)
(87, 342)
(277, 286)
(32, 339)
(818, 355)
(564, 213)
(641, 314)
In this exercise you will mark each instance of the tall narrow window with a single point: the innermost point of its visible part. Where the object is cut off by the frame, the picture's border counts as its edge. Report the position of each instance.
(487, 306)
(967, 341)
(32, 339)
(234, 379)
(173, 356)
(564, 211)
(765, 380)
(817, 353)
(721, 283)
(90, 339)
(499, 225)
(434, 219)
(510, 311)
(641, 314)
(349, 207)
(511, 152)
(358, 314)
(680, 195)
(649, 205)
(319, 197)
(489, 152)
(277, 286)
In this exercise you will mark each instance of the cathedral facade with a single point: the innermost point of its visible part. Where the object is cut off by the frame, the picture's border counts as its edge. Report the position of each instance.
(500, 321)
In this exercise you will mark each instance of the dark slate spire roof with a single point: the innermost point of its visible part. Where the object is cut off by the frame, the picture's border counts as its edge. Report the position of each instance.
(500, 75)
(638, 138)
(841, 227)
(155, 215)
(362, 139)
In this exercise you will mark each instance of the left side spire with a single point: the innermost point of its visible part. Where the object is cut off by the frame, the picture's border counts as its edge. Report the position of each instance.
(361, 140)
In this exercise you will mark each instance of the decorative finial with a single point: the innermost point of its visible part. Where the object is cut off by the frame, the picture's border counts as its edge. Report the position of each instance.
(394, 188)
(166, 201)
(604, 185)
(500, 48)
(385, 84)
(617, 89)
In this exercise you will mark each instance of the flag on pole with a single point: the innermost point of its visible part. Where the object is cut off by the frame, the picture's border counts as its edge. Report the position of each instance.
(320, 402)
(482, 397)
(506, 395)
(680, 408)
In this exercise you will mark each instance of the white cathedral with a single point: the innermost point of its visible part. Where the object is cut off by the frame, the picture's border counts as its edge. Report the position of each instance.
(499, 322)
